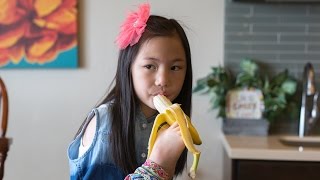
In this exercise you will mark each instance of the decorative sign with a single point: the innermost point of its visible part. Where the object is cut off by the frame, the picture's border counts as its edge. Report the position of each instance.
(245, 104)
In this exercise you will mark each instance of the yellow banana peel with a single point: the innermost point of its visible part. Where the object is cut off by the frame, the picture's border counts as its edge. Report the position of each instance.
(168, 114)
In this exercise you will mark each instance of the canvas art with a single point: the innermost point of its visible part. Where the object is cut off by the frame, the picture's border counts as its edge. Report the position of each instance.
(38, 34)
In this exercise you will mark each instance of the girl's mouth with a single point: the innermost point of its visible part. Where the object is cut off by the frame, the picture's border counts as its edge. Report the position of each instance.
(160, 93)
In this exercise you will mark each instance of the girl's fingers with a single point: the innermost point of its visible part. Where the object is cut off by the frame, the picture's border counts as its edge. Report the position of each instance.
(179, 133)
(174, 125)
(164, 127)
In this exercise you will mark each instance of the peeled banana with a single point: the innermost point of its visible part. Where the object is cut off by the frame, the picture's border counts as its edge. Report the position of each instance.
(168, 114)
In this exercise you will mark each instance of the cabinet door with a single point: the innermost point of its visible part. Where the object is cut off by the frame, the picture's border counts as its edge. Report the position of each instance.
(274, 170)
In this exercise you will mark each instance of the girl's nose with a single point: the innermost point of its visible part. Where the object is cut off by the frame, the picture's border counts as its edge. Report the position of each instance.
(162, 78)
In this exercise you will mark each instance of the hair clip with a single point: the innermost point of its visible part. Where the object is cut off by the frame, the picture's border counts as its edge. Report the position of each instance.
(133, 27)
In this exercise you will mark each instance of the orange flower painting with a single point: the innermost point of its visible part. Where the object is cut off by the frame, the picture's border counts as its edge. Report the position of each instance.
(38, 33)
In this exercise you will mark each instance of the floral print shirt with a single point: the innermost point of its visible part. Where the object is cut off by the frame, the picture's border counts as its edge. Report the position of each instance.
(148, 171)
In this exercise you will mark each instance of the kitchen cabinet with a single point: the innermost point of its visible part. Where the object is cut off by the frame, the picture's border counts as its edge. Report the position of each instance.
(266, 158)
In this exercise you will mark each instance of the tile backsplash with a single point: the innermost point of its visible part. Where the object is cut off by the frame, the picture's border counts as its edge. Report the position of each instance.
(278, 36)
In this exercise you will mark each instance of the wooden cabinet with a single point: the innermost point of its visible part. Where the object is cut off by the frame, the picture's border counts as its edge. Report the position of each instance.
(274, 170)
(265, 158)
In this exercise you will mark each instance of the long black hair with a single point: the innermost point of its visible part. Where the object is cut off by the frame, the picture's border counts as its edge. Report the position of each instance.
(125, 101)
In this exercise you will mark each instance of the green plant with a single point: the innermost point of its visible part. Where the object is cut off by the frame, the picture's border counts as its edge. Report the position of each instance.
(278, 92)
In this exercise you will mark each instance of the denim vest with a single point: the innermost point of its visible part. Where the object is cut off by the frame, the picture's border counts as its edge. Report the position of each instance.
(96, 163)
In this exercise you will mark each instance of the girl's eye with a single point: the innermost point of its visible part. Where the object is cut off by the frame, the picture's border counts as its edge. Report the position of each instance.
(150, 66)
(175, 68)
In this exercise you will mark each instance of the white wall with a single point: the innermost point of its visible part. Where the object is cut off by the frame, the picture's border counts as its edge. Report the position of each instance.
(47, 106)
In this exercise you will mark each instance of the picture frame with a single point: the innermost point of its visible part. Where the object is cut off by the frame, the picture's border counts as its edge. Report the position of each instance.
(39, 34)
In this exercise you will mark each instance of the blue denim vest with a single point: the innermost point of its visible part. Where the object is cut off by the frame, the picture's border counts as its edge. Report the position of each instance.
(96, 163)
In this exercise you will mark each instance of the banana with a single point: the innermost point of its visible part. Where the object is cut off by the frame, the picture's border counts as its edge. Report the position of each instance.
(168, 114)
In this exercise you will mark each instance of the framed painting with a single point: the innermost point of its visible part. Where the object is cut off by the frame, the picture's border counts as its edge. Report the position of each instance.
(38, 34)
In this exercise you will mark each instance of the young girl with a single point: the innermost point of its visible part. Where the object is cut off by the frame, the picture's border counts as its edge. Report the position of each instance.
(112, 142)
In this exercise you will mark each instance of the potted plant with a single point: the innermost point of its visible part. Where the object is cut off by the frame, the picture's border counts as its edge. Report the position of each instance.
(278, 91)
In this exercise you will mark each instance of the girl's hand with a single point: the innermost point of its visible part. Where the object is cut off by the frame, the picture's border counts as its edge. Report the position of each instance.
(168, 147)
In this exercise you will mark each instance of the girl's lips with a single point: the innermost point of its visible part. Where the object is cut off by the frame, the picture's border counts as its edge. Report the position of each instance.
(157, 90)
(163, 93)
(160, 93)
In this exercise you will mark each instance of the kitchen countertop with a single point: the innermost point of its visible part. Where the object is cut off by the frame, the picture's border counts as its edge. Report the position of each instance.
(266, 148)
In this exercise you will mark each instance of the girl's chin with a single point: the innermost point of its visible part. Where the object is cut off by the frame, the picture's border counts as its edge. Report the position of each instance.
(152, 106)
(148, 110)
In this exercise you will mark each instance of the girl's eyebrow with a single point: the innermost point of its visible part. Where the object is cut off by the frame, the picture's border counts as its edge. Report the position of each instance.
(151, 58)
(156, 59)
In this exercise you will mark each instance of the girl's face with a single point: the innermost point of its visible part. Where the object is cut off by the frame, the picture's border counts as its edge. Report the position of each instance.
(159, 68)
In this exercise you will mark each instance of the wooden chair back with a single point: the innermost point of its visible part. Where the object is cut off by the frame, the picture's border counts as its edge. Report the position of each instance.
(4, 141)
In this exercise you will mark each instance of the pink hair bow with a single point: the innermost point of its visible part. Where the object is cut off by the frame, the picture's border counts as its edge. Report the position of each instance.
(133, 27)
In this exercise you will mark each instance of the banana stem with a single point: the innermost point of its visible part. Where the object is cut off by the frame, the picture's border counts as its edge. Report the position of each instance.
(194, 167)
